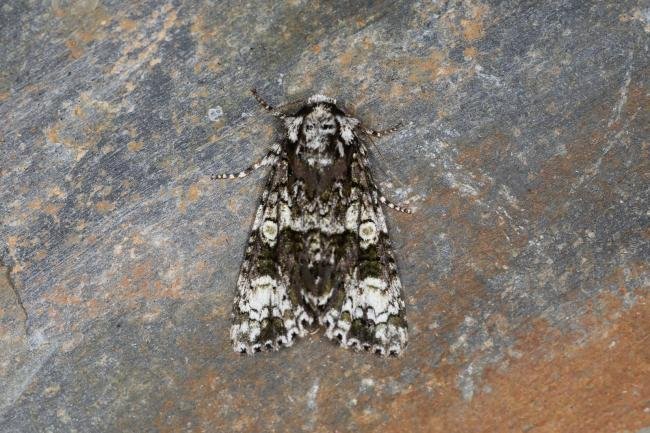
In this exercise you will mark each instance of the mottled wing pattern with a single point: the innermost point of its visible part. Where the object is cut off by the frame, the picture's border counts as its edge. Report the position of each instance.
(267, 311)
(319, 246)
(370, 313)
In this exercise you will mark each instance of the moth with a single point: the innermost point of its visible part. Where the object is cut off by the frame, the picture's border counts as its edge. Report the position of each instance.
(319, 251)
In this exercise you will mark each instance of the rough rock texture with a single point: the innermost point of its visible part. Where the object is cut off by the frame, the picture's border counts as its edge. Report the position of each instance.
(525, 155)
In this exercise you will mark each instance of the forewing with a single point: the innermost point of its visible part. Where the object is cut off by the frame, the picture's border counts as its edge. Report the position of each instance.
(267, 312)
(372, 314)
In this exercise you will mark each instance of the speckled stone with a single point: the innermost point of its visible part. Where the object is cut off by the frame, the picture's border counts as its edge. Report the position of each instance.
(525, 154)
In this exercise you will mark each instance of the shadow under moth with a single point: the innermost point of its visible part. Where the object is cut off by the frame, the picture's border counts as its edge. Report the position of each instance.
(319, 251)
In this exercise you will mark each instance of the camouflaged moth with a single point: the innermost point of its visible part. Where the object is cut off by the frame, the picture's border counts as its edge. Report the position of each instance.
(319, 251)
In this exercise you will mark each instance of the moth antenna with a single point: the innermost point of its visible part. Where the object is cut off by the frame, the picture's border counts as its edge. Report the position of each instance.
(382, 132)
(293, 102)
(268, 107)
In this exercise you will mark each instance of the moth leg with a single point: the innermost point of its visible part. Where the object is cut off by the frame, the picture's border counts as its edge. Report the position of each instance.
(268, 159)
(392, 205)
(242, 173)
(363, 160)
(268, 107)
(382, 132)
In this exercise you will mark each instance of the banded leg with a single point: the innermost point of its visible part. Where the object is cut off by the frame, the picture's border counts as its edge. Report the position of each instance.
(268, 159)
(268, 107)
(363, 160)
(382, 132)
(392, 205)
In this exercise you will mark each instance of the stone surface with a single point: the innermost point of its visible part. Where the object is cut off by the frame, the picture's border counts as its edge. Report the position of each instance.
(525, 265)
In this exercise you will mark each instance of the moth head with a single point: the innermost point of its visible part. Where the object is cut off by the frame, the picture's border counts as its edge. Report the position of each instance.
(318, 99)
(319, 126)
(321, 123)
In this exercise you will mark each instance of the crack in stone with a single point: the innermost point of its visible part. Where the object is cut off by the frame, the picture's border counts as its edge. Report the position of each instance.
(19, 301)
